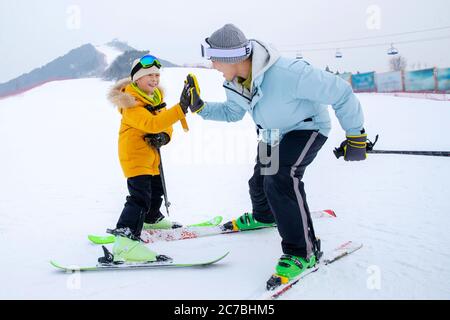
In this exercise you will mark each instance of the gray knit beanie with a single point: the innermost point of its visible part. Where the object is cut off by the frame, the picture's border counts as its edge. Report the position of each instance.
(228, 37)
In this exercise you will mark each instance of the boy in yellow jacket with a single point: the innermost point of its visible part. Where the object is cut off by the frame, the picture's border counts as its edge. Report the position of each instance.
(146, 126)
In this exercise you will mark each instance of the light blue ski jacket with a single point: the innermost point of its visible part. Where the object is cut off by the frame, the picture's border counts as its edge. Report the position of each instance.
(284, 93)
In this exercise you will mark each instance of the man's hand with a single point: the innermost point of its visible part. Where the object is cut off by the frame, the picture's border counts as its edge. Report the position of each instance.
(354, 148)
(157, 140)
(196, 103)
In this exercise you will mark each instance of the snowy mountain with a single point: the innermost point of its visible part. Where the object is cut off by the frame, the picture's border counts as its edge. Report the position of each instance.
(110, 53)
(82, 62)
(110, 61)
(61, 180)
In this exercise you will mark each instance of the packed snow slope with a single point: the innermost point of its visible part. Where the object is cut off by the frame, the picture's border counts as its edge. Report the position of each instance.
(61, 180)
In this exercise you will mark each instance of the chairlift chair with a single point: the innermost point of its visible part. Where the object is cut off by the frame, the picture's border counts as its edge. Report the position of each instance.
(392, 50)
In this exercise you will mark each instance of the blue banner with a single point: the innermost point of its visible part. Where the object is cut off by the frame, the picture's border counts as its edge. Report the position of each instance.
(421, 80)
(443, 78)
(389, 81)
(364, 82)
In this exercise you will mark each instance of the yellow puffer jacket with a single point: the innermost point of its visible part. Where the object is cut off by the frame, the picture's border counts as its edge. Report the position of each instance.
(136, 157)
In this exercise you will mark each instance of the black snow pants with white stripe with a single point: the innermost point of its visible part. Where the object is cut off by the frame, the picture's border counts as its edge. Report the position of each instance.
(281, 196)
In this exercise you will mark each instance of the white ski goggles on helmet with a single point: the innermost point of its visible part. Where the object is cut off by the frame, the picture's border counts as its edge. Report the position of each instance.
(208, 52)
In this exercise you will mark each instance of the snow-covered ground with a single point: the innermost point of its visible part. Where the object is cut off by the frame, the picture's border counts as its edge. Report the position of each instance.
(61, 179)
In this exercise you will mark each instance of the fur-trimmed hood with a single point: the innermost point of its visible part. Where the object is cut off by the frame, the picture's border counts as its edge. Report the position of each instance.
(121, 99)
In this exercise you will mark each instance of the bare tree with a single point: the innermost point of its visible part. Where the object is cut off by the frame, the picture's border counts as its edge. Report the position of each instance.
(398, 63)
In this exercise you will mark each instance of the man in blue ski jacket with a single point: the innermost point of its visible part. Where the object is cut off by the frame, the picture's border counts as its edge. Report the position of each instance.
(288, 100)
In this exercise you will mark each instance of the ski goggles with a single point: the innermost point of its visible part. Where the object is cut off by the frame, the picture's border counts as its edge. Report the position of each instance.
(146, 62)
(208, 52)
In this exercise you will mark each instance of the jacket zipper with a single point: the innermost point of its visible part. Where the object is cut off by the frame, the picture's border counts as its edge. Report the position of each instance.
(231, 89)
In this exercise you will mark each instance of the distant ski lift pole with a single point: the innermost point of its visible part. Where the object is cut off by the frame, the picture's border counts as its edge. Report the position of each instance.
(339, 54)
(392, 50)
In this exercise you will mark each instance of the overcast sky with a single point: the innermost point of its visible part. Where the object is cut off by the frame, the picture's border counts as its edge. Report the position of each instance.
(32, 33)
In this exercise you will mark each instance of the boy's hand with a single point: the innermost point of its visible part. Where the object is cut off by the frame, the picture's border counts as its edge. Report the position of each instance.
(196, 103)
(185, 99)
(157, 140)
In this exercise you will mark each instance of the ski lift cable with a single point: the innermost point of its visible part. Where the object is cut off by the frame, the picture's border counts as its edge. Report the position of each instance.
(365, 38)
(369, 45)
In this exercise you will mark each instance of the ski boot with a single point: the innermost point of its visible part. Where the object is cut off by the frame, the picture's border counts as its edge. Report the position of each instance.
(289, 267)
(128, 249)
(162, 224)
(246, 222)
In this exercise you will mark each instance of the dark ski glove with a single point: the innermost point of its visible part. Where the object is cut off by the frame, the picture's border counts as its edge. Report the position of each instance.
(185, 98)
(157, 140)
(354, 148)
(196, 104)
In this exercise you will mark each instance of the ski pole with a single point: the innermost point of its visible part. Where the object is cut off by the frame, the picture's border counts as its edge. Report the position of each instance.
(414, 153)
(163, 180)
(339, 152)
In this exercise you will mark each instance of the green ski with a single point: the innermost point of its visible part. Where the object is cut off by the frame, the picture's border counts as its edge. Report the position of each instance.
(108, 239)
(128, 266)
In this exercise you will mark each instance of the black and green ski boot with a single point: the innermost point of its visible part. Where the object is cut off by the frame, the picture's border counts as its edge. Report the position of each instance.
(246, 222)
(289, 267)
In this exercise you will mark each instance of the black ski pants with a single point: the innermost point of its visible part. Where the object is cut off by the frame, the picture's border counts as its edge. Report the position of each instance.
(143, 204)
(281, 197)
